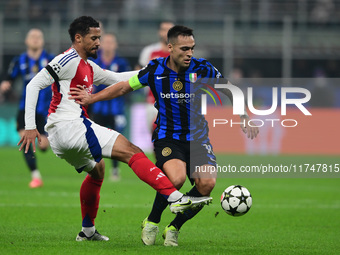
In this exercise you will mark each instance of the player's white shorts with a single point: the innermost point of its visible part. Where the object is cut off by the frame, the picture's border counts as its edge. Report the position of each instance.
(82, 143)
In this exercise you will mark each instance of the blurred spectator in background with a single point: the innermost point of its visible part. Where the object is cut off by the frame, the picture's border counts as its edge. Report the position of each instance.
(323, 94)
(158, 49)
(110, 113)
(27, 65)
(149, 52)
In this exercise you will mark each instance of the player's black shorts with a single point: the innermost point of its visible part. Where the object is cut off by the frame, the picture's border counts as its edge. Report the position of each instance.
(40, 120)
(194, 153)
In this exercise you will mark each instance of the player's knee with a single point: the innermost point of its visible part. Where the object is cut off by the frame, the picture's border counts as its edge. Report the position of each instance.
(178, 181)
(123, 150)
(43, 146)
(43, 149)
(98, 172)
(206, 185)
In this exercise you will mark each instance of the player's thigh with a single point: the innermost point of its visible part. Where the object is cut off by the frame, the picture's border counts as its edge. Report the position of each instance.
(171, 158)
(123, 149)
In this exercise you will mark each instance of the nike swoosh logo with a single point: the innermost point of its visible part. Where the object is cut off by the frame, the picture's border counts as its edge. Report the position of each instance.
(187, 203)
(160, 77)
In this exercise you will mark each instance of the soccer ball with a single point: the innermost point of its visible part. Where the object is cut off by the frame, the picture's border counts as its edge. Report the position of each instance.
(236, 200)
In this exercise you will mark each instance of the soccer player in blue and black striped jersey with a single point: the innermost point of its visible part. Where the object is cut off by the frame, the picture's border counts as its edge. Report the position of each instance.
(26, 66)
(181, 137)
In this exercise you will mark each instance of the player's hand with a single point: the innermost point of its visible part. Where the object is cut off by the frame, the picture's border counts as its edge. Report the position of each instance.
(251, 131)
(80, 95)
(29, 138)
(5, 86)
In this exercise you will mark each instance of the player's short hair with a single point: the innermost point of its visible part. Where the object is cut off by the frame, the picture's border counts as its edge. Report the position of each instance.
(178, 30)
(82, 26)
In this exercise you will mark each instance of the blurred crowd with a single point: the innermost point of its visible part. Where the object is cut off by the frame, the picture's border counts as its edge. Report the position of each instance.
(318, 11)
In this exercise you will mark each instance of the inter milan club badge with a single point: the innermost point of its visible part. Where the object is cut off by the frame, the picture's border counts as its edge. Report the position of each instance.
(166, 151)
(177, 85)
(193, 77)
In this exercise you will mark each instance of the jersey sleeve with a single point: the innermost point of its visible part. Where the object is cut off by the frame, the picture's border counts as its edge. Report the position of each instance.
(107, 77)
(141, 79)
(210, 74)
(42, 80)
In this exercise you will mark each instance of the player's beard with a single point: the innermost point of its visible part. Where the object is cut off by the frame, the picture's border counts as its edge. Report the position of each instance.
(90, 53)
(93, 55)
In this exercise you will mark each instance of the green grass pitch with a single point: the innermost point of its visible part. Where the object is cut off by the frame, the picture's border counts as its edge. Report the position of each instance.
(288, 216)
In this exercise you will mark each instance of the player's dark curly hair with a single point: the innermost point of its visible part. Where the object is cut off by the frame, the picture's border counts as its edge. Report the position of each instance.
(177, 30)
(82, 26)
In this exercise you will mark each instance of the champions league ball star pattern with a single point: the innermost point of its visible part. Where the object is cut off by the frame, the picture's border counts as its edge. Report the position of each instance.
(236, 200)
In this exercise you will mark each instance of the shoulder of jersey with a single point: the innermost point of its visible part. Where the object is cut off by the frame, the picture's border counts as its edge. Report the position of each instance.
(201, 61)
(157, 60)
(66, 57)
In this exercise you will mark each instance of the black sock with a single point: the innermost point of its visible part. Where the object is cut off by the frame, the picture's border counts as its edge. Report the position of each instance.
(158, 207)
(180, 218)
(115, 163)
(30, 159)
(194, 192)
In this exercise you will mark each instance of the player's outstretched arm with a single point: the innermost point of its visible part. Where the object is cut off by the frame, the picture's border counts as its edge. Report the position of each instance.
(29, 138)
(82, 97)
(40, 81)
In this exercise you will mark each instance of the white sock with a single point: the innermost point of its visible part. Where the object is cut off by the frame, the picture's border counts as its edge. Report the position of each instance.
(174, 196)
(36, 174)
(89, 231)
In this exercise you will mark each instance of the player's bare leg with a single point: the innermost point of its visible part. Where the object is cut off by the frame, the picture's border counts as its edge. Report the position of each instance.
(205, 179)
(123, 150)
(127, 152)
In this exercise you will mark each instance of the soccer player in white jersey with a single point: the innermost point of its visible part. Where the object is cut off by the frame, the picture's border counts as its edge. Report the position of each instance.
(81, 142)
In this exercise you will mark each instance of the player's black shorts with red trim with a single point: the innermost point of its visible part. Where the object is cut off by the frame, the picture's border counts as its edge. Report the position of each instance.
(40, 121)
(194, 153)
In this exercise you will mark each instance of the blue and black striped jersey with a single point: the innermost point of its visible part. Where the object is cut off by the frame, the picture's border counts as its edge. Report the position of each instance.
(27, 68)
(178, 97)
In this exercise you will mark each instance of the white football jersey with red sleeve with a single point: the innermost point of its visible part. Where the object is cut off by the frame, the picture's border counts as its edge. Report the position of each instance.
(69, 70)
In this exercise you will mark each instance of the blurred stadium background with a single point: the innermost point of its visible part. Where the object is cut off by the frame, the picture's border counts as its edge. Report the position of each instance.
(242, 38)
(259, 40)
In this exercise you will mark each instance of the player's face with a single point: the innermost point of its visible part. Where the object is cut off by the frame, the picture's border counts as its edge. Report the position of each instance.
(35, 39)
(91, 42)
(181, 51)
